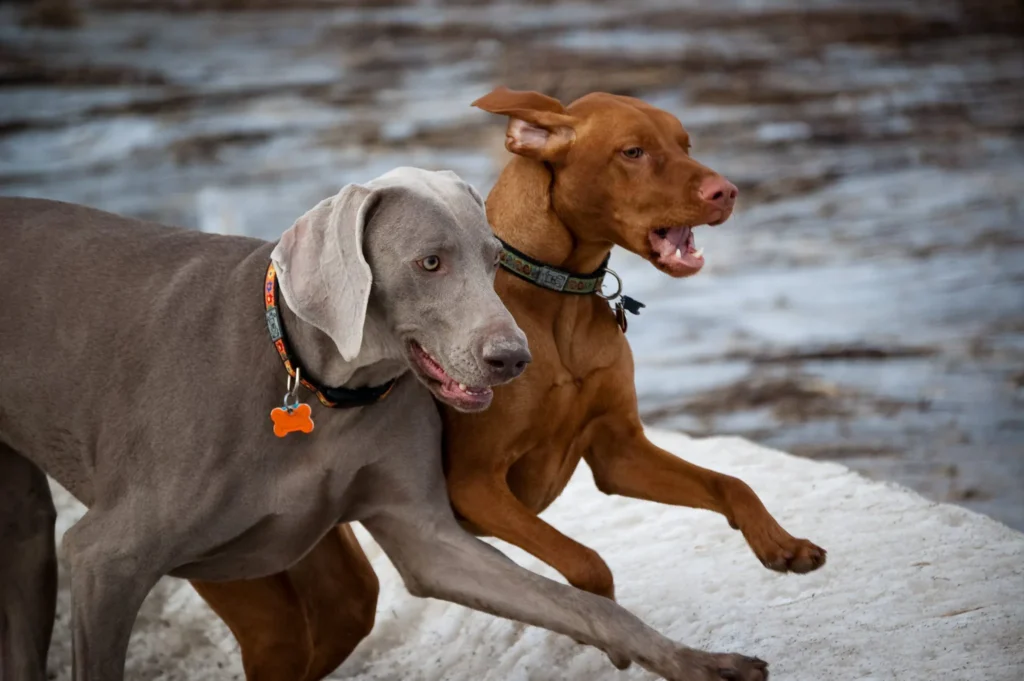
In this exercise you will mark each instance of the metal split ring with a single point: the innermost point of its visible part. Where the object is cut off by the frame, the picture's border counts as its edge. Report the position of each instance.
(291, 398)
(618, 286)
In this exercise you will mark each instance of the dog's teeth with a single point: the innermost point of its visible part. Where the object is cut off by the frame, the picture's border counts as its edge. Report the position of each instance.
(698, 253)
(462, 387)
(679, 253)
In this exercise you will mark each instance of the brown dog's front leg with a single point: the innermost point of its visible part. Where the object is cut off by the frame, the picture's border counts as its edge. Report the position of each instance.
(625, 462)
(487, 502)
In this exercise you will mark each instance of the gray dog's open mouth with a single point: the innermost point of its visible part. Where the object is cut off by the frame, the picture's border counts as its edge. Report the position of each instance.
(444, 387)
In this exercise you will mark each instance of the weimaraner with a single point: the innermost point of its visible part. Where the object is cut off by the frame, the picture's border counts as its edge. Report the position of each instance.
(137, 371)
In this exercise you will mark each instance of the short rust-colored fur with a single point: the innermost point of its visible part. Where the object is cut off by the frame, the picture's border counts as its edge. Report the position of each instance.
(568, 196)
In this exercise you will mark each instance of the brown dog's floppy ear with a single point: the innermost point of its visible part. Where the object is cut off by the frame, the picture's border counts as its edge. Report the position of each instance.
(321, 268)
(538, 126)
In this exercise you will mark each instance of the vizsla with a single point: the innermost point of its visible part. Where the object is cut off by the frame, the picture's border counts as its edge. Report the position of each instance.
(605, 171)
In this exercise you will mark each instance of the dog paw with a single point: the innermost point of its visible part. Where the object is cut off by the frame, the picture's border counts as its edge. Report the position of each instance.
(739, 668)
(687, 664)
(778, 550)
(620, 661)
(792, 555)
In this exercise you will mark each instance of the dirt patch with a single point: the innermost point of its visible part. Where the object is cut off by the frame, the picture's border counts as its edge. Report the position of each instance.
(838, 353)
(20, 71)
(53, 14)
(839, 452)
(988, 238)
(205, 148)
(790, 398)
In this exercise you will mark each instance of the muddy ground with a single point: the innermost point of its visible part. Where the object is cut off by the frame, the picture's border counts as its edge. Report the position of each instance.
(865, 304)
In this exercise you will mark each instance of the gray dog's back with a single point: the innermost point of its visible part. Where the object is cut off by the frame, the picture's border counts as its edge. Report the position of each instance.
(120, 307)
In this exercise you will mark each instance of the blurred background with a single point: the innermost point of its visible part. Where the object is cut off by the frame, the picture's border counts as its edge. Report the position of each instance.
(865, 304)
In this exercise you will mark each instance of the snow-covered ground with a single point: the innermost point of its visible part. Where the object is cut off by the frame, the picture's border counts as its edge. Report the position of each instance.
(913, 591)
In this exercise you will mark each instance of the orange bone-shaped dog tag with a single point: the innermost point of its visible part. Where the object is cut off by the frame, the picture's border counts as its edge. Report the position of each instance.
(298, 420)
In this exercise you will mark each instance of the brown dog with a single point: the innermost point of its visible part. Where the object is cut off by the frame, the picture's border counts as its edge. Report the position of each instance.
(604, 171)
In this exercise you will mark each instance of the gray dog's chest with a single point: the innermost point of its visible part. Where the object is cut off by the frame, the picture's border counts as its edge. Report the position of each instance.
(287, 497)
(308, 483)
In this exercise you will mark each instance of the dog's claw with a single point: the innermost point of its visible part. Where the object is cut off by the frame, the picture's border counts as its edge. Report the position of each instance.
(743, 668)
(779, 551)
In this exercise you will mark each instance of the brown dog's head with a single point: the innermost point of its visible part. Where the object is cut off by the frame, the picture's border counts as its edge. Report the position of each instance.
(622, 172)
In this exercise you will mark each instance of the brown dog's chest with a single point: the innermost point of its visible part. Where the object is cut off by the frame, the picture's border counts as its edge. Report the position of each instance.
(541, 473)
(574, 376)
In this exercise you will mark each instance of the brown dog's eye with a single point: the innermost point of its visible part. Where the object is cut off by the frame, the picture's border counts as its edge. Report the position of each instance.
(633, 152)
(430, 263)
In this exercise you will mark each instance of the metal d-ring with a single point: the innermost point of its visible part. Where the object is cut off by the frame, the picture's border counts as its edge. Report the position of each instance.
(291, 398)
(618, 286)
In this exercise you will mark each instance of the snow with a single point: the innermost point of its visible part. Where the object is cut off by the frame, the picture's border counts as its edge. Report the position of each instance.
(913, 590)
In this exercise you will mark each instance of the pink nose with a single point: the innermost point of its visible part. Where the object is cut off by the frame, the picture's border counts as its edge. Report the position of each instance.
(718, 191)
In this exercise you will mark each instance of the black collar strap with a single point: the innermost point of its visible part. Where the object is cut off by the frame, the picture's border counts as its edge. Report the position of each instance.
(549, 277)
(340, 398)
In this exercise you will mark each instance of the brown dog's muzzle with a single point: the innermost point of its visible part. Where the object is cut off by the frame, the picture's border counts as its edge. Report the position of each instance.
(718, 196)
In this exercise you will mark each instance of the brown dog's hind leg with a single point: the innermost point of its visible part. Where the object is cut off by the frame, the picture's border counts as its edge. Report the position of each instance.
(28, 568)
(625, 462)
(301, 624)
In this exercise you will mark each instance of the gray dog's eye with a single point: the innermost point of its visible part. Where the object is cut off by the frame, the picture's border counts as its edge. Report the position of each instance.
(430, 263)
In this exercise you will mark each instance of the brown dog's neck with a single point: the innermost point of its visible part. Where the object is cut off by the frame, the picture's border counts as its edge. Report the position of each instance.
(315, 352)
(522, 214)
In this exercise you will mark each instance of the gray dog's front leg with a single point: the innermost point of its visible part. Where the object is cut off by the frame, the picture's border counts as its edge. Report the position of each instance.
(436, 558)
(112, 571)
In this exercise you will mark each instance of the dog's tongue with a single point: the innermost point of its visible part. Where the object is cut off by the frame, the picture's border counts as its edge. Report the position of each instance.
(675, 239)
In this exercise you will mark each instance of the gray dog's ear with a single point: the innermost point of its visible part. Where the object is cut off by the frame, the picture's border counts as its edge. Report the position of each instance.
(321, 268)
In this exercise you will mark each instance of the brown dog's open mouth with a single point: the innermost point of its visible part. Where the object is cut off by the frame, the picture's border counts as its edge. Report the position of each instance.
(673, 250)
(444, 387)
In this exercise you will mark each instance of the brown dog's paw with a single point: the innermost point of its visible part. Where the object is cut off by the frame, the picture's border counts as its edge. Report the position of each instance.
(778, 550)
(741, 668)
(796, 555)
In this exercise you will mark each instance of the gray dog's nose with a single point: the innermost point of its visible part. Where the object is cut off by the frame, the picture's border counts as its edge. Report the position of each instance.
(506, 357)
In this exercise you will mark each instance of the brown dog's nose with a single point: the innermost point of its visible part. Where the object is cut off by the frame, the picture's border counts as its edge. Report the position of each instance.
(506, 357)
(719, 192)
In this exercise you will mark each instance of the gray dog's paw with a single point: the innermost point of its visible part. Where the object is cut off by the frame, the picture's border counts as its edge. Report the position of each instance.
(740, 668)
(687, 664)
(620, 661)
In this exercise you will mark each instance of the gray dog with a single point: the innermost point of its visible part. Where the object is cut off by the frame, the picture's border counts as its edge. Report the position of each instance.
(137, 371)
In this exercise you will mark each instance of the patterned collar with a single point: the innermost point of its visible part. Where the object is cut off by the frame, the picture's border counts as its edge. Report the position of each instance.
(563, 281)
(549, 277)
(340, 398)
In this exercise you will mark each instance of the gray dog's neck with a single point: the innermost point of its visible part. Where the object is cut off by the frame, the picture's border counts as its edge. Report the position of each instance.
(380, 357)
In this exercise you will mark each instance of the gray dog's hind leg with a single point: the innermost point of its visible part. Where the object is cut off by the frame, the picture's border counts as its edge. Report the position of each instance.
(114, 564)
(28, 568)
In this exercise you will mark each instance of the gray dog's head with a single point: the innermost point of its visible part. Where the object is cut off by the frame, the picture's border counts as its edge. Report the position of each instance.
(417, 246)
